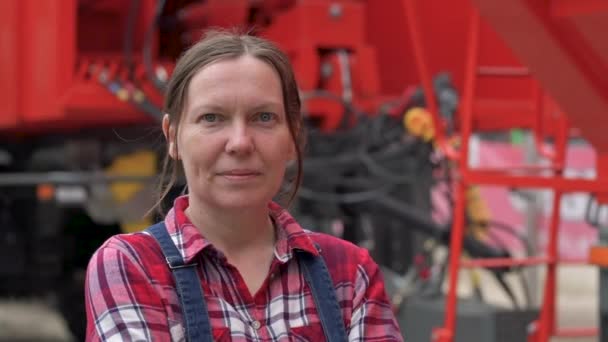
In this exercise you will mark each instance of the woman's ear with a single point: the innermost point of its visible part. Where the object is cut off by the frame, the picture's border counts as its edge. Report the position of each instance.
(169, 132)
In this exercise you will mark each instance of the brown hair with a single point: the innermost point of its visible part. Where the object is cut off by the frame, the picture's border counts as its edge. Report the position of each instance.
(220, 45)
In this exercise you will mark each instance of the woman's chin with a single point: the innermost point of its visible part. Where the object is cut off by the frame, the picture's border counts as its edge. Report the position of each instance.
(243, 201)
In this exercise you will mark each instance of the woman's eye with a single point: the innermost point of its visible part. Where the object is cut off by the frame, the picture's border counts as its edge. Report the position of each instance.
(265, 117)
(210, 117)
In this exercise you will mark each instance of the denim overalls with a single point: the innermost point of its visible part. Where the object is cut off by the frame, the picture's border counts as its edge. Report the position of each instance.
(196, 318)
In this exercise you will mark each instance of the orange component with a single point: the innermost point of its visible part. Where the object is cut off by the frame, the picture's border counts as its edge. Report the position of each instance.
(419, 123)
(598, 255)
(45, 192)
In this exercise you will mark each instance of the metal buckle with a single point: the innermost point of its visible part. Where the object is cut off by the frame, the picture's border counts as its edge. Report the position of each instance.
(179, 266)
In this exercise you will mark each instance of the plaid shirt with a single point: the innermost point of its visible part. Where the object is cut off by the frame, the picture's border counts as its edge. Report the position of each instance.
(130, 292)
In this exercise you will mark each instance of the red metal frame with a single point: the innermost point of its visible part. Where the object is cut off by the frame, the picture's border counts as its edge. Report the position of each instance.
(420, 59)
(48, 80)
(576, 44)
(9, 92)
(380, 68)
(545, 326)
(568, 8)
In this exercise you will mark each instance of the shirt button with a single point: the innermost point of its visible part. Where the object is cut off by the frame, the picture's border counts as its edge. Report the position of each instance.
(256, 325)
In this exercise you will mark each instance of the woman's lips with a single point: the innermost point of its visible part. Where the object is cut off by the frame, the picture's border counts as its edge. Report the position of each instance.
(240, 174)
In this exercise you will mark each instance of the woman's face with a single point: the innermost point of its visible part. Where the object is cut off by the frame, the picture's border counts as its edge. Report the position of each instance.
(233, 138)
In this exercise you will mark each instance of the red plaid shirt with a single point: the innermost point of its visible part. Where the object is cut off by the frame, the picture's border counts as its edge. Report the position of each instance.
(130, 292)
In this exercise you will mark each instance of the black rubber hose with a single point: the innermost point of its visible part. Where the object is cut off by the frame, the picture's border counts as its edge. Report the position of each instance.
(147, 50)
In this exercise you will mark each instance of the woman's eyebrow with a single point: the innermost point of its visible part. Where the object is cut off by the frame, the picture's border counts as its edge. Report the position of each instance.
(268, 105)
(218, 108)
(207, 107)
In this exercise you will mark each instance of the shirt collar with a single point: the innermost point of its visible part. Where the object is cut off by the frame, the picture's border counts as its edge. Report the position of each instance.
(190, 242)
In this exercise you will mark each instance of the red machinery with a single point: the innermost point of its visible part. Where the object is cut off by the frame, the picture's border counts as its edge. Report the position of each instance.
(71, 65)
(560, 43)
(62, 59)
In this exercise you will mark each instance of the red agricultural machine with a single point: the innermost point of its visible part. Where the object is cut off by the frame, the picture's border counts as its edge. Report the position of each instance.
(392, 91)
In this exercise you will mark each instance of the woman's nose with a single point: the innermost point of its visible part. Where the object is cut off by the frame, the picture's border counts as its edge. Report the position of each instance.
(240, 141)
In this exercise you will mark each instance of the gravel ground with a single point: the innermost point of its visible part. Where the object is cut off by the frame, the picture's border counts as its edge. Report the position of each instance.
(31, 320)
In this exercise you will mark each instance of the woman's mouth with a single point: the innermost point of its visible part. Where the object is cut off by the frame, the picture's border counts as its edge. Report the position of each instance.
(240, 174)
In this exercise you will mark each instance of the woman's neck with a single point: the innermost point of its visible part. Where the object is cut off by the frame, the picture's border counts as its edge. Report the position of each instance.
(232, 230)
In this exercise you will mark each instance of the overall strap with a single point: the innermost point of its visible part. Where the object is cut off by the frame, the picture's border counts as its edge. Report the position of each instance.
(324, 294)
(188, 286)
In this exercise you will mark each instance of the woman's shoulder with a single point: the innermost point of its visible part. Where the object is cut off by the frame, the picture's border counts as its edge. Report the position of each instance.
(139, 248)
(339, 253)
(332, 243)
(129, 242)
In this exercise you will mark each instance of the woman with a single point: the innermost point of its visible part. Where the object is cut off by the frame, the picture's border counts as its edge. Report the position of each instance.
(232, 125)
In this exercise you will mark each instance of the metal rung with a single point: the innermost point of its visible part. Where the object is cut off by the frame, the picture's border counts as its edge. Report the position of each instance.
(67, 177)
(574, 262)
(519, 169)
(576, 332)
(504, 262)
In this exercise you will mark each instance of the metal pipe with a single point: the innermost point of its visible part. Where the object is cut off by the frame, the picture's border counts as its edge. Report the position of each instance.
(560, 183)
(65, 178)
(504, 262)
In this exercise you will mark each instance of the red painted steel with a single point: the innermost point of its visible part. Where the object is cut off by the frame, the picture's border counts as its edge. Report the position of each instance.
(447, 332)
(545, 327)
(371, 32)
(47, 85)
(425, 77)
(318, 29)
(508, 179)
(10, 26)
(574, 40)
(47, 58)
(215, 13)
(569, 8)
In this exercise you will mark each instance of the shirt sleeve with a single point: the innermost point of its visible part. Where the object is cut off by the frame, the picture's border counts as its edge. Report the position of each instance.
(121, 302)
(373, 318)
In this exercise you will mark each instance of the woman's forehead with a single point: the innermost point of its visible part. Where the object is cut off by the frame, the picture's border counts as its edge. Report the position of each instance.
(241, 79)
(242, 69)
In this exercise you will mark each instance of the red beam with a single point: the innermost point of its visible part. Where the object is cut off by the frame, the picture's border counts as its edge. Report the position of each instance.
(572, 8)
(574, 262)
(517, 181)
(504, 262)
(576, 332)
(570, 69)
